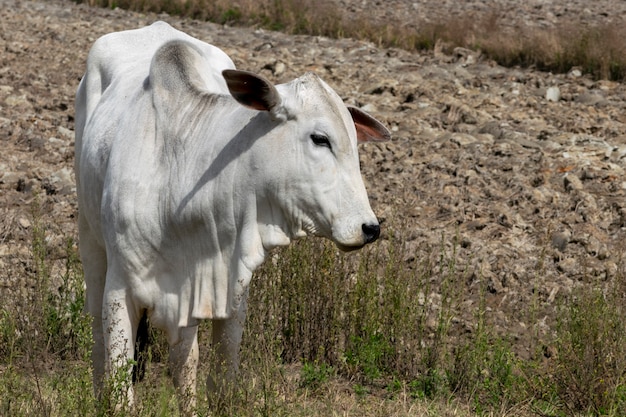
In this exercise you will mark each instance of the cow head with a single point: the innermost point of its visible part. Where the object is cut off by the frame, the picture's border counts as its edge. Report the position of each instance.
(315, 185)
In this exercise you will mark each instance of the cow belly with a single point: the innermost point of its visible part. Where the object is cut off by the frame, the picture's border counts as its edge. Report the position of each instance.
(171, 313)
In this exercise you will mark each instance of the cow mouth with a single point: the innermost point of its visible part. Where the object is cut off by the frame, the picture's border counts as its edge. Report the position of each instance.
(349, 248)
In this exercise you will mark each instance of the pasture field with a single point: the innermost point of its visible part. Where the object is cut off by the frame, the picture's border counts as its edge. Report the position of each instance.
(329, 334)
(497, 288)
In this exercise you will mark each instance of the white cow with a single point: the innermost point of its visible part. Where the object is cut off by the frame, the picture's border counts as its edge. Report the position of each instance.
(188, 172)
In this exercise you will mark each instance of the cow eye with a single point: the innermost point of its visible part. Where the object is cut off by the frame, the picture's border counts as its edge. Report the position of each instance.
(320, 140)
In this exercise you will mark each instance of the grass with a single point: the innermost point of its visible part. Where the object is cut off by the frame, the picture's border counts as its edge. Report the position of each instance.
(365, 333)
(596, 50)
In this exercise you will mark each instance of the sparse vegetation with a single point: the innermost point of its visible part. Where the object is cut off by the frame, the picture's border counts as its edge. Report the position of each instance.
(321, 320)
(596, 50)
(590, 367)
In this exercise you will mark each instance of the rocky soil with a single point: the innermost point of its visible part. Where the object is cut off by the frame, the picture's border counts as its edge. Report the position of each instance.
(523, 170)
(510, 13)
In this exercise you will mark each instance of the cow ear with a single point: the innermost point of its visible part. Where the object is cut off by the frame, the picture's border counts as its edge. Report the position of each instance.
(368, 129)
(252, 90)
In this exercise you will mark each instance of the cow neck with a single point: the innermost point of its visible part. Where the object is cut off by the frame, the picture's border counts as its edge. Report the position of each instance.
(220, 211)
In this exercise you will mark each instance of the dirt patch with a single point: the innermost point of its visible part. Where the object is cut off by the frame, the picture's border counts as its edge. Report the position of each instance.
(519, 173)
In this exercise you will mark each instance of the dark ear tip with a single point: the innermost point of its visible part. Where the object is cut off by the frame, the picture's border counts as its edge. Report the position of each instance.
(251, 90)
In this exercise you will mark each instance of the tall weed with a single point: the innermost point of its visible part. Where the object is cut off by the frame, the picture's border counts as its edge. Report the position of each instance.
(57, 310)
(363, 315)
(484, 368)
(44, 321)
(589, 373)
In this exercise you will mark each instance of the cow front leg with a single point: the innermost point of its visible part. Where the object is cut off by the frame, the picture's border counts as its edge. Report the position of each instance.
(227, 336)
(183, 368)
(119, 330)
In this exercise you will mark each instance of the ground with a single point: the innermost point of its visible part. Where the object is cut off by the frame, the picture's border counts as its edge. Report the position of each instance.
(519, 173)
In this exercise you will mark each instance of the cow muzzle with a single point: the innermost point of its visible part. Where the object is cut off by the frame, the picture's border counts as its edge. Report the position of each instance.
(371, 232)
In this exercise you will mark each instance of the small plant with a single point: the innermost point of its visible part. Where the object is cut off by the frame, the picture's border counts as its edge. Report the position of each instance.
(428, 385)
(368, 354)
(361, 390)
(68, 328)
(315, 374)
(115, 390)
(73, 383)
(8, 336)
(483, 370)
(231, 15)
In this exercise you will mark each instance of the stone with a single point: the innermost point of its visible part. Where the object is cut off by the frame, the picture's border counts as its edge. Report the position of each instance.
(572, 182)
(553, 94)
(24, 222)
(561, 239)
(17, 101)
(569, 266)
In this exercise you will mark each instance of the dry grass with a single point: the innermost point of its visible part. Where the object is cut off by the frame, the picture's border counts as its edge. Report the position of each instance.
(319, 17)
(599, 50)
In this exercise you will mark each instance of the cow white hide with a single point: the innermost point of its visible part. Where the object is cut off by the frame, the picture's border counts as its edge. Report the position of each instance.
(188, 172)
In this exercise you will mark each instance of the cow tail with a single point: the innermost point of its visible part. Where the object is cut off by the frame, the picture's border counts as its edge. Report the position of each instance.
(141, 348)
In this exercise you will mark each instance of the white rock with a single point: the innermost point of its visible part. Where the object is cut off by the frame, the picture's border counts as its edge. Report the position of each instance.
(572, 182)
(62, 177)
(65, 132)
(553, 94)
(369, 107)
(575, 73)
(279, 68)
(462, 139)
(15, 100)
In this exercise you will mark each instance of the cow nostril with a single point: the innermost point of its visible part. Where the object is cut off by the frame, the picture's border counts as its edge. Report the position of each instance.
(371, 232)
